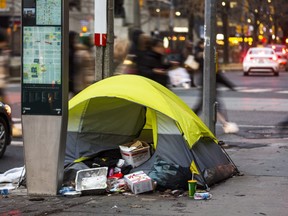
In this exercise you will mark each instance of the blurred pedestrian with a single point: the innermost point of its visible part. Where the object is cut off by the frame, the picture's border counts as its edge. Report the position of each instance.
(221, 79)
(139, 43)
(134, 40)
(81, 63)
(178, 75)
(188, 50)
(4, 64)
(199, 57)
(84, 64)
(73, 40)
(121, 47)
(128, 55)
(152, 63)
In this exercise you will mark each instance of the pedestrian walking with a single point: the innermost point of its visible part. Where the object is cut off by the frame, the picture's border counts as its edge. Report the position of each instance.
(73, 38)
(152, 63)
(199, 57)
(84, 64)
(221, 79)
(81, 63)
(186, 52)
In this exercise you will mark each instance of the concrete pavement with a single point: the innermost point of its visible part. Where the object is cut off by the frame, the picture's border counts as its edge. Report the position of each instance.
(260, 191)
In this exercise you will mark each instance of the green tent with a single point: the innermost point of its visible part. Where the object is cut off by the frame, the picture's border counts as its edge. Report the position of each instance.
(120, 109)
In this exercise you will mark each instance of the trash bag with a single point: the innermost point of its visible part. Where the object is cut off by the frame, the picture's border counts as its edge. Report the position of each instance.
(169, 176)
(70, 173)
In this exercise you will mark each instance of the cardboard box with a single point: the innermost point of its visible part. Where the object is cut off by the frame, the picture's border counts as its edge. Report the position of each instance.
(135, 153)
(139, 182)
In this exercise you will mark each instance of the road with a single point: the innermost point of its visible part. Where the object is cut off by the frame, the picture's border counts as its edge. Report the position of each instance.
(257, 106)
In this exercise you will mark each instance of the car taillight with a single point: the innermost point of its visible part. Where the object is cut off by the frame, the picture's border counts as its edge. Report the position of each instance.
(275, 58)
(248, 58)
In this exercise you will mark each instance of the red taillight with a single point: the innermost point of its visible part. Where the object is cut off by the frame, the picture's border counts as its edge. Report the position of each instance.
(275, 58)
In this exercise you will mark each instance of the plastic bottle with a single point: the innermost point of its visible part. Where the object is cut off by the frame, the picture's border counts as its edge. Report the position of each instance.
(120, 163)
(4, 192)
(202, 196)
(63, 190)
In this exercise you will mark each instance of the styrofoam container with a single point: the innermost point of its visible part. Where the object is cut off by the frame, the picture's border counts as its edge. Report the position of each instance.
(91, 180)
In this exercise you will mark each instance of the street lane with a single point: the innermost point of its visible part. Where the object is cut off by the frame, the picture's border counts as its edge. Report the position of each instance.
(256, 105)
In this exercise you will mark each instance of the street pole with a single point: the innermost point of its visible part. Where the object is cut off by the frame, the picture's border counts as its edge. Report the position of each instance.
(137, 17)
(171, 23)
(104, 38)
(109, 50)
(12, 27)
(209, 76)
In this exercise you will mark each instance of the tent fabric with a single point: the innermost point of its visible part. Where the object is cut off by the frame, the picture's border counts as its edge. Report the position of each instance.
(122, 108)
(142, 91)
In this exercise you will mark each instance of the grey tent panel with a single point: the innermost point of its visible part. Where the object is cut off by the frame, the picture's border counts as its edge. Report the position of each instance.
(171, 145)
(110, 126)
(212, 162)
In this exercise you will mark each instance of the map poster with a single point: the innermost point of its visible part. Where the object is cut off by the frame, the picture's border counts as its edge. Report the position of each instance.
(41, 55)
(48, 12)
(42, 47)
(41, 12)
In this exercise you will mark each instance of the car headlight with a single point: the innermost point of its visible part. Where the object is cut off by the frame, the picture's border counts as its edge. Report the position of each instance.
(8, 109)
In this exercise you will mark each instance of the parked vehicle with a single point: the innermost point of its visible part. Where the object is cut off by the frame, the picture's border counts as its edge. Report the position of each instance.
(5, 127)
(281, 51)
(261, 59)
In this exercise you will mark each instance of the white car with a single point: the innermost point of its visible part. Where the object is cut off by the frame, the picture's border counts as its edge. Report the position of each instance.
(261, 59)
(281, 52)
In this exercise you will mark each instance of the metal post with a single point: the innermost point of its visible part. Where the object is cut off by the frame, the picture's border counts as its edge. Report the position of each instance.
(109, 49)
(171, 23)
(137, 17)
(12, 26)
(209, 76)
(104, 50)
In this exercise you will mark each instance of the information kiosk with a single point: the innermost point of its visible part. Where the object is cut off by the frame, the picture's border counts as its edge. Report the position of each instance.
(44, 101)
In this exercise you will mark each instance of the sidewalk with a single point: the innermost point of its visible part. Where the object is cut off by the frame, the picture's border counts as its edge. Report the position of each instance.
(260, 191)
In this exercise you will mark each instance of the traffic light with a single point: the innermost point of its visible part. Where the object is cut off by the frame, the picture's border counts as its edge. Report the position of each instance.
(3, 4)
(75, 4)
(84, 29)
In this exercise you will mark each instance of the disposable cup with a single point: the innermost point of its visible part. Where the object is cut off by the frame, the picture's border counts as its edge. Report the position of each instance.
(192, 185)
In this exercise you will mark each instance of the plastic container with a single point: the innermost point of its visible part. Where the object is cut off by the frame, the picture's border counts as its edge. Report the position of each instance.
(120, 163)
(92, 181)
(4, 192)
(64, 190)
(202, 196)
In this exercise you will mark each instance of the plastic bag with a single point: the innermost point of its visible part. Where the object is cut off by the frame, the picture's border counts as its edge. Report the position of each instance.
(169, 176)
(191, 62)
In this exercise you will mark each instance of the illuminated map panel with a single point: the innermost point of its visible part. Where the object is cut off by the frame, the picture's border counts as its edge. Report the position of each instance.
(48, 12)
(41, 55)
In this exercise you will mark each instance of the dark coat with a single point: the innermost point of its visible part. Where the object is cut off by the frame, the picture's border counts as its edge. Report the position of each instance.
(151, 60)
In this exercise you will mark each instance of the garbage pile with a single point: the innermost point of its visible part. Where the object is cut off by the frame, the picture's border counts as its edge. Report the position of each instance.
(112, 172)
(109, 172)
